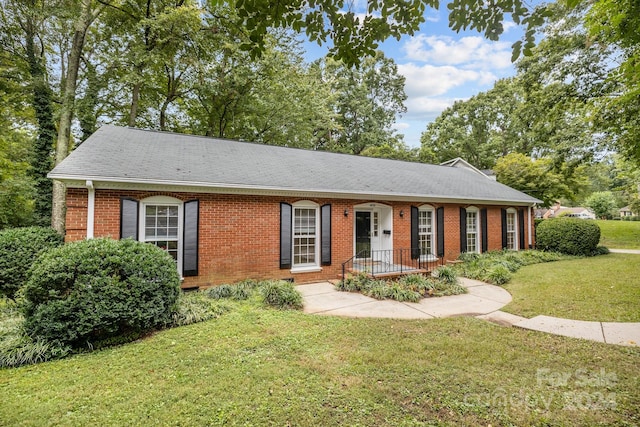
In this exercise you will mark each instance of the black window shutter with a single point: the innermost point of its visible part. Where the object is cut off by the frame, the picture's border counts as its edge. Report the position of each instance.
(521, 226)
(325, 234)
(484, 230)
(440, 231)
(415, 241)
(129, 218)
(463, 230)
(504, 228)
(190, 239)
(286, 212)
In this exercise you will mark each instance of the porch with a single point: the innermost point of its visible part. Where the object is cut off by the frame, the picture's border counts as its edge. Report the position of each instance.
(390, 263)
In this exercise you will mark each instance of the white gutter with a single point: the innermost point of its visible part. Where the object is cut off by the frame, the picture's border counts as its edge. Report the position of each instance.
(91, 204)
(230, 188)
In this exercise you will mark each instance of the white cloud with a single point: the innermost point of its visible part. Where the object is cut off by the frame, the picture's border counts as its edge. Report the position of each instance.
(400, 126)
(470, 51)
(429, 80)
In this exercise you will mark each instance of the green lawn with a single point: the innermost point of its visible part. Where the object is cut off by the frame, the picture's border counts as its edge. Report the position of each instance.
(620, 234)
(603, 288)
(256, 366)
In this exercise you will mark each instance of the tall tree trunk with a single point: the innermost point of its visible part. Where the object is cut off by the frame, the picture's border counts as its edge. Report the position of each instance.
(81, 26)
(135, 99)
(42, 104)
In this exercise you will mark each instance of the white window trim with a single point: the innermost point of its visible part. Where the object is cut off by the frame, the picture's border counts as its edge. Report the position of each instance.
(309, 267)
(433, 256)
(473, 209)
(164, 201)
(515, 228)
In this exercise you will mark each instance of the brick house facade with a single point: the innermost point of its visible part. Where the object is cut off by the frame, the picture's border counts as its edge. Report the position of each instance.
(221, 234)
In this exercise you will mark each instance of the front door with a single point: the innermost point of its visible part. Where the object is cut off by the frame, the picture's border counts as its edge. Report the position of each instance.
(363, 234)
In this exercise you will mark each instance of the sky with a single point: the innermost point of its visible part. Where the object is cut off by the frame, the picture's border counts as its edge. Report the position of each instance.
(440, 67)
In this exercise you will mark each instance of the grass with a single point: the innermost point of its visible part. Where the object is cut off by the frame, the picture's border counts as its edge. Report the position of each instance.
(620, 234)
(259, 366)
(604, 288)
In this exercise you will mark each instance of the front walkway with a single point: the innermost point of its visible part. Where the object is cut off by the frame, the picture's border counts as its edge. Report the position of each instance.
(483, 301)
(323, 298)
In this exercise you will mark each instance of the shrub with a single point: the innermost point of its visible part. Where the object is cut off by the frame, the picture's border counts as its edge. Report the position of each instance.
(281, 294)
(86, 292)
(499, 275)
(19, 248)
(194, 307)
(16, 348)
(568, 236)
(238, 292)
(446, 273)
(410, 288)
(601, 250)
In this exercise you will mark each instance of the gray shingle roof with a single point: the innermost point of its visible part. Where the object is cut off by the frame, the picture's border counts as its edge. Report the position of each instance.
(124, 155)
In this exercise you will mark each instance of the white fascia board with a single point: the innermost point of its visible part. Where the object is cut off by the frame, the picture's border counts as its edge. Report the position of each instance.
(106, 183)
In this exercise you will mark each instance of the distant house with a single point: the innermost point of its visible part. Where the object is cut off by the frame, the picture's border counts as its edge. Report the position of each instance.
(228, 210)
(557, 211)
(626, 212)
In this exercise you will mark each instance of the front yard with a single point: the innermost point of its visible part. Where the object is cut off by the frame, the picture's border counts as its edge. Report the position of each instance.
(259, 366)
(620, 234)
(605, 288)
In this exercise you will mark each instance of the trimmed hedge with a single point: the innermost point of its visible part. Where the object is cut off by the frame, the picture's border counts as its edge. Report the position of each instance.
(19, 248)
(568, 236)
(94, 291)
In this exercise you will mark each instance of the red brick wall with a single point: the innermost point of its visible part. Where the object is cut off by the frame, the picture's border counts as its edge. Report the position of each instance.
(239, 236)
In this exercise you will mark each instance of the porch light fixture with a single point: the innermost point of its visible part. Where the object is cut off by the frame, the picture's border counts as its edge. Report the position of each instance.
(346, 212)
(401, 213)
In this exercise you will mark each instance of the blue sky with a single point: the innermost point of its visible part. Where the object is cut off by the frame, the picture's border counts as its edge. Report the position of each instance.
(442, 66)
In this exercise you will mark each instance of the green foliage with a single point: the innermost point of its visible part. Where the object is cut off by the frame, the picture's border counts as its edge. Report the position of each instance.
(496, 267)
(94, 290)
(411, 288)
(239, 292)
(568, 236)
(16, 348)
(603, 204)
(446, 273)
(616, 22)
(354, 36)
(534, 177)
(16, 185)
(280, 294)
(19, 249)
(194, 307)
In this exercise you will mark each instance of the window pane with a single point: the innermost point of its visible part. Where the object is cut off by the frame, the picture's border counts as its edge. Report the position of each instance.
(304, 241)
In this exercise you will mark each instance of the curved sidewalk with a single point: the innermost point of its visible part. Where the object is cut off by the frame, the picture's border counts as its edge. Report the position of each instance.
(323, 298)
(483, 301)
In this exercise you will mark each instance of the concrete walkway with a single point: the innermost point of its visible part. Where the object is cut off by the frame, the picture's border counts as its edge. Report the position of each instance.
(625, 251)
(483, 301)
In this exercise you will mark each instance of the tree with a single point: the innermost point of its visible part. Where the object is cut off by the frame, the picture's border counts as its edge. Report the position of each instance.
(602, 203)
(536, 178)
(368, 100)
(480, 129)
(87, 13)
(355, 36)
(616, 22)
(23, 25)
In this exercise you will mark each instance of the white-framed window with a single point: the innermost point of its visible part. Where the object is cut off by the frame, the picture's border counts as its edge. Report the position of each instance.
(161, 224)
(473, 230)
(306, 235)
(512, 226)
(426, 231)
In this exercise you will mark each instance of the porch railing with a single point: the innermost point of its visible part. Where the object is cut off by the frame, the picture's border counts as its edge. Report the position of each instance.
(389, 262)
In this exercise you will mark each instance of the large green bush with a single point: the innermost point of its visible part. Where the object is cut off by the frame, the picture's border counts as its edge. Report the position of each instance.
(85, 293)
(568, 236)
(19, 248)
